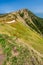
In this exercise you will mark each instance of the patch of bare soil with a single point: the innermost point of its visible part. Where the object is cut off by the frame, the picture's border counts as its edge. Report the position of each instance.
(2, 56)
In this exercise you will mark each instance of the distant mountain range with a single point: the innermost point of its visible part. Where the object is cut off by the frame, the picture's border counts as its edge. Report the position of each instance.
(21, 38)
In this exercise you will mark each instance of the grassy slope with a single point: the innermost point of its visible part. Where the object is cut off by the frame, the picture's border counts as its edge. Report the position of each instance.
(18, 53)
(29, 35)
(19, 30)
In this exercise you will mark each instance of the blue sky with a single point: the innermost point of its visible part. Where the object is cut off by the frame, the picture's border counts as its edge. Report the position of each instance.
(35, 6)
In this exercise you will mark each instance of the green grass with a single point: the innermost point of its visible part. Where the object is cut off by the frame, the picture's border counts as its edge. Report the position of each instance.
(30, 36)
(19, 30)
(24, 55)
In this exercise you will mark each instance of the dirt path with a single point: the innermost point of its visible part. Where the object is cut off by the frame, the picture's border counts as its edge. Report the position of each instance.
(2, 56)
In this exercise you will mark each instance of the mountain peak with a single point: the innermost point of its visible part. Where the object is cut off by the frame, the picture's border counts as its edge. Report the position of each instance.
(26, 16)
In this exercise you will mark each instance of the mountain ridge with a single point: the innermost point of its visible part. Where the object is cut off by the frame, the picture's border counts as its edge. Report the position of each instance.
(30, 17)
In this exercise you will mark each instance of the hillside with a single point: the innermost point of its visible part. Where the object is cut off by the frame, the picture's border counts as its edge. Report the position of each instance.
(21, 38)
